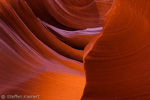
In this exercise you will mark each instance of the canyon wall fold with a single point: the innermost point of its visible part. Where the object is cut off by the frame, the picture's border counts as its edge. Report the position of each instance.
(75, 49)
(117, 62)
(33, 61)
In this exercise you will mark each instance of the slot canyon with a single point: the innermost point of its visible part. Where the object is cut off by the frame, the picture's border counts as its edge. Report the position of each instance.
(74, 49)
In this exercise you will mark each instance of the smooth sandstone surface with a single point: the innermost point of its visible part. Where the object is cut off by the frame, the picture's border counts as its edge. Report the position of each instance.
(30, 57)
(117, 62)
(75, 49)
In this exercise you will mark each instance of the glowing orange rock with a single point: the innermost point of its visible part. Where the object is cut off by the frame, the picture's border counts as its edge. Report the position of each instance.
(28, 64)
(117, 62)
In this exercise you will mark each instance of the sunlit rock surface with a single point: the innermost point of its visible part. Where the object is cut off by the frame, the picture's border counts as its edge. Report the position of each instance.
(75, 49)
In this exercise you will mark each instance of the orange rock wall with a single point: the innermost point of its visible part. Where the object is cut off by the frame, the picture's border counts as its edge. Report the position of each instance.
(75, 49)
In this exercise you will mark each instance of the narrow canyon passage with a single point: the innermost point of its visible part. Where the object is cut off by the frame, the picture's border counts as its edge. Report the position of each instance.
(74, 49)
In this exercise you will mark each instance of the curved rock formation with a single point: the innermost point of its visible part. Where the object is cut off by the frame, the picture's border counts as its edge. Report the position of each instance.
(33, 61)
(73, 14)
(74, 38)
(117, 62)
(64, 50)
